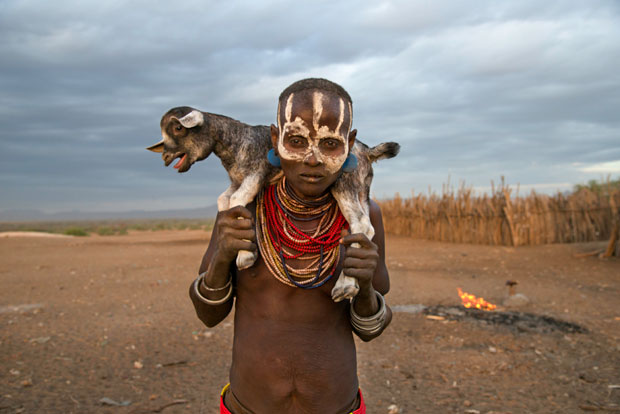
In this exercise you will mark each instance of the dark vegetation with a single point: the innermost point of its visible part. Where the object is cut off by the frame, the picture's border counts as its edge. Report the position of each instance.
(600, 187)
(108, 227)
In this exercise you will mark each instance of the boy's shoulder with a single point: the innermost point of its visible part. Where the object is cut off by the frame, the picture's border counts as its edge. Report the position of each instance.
(375, 210)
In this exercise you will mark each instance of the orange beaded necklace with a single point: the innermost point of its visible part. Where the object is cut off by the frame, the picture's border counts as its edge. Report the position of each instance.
(279, 239)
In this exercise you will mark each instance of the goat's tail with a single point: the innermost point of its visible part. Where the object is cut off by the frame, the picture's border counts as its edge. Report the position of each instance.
(383, 151)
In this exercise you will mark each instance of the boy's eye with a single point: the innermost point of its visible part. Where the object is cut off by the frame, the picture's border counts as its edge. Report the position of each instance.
(297, 142)
(330, 143)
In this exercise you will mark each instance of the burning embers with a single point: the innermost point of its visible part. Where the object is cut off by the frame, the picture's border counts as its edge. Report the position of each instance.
(477, 309)
(470, 301)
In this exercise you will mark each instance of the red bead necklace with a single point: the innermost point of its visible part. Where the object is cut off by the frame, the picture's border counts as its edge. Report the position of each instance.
(281, 239)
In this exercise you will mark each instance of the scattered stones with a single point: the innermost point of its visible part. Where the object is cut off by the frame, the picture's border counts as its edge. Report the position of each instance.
(417, 308)
(40, 340)
(138, 365)
(197, 334)
(515, 301)
(111, 402)
(393, 409)
(20, 308)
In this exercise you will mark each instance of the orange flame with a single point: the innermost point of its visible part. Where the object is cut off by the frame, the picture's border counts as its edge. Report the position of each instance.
(470, 301)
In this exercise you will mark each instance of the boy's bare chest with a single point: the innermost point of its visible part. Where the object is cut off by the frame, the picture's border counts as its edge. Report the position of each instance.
(298, 342)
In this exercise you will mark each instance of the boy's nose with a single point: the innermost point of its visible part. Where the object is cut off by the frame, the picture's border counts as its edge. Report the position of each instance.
(312, 159)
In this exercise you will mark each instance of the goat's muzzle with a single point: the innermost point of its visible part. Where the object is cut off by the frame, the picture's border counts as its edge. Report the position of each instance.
(159, 147)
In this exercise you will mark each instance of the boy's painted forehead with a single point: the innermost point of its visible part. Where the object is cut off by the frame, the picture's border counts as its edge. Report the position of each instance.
(318, 109)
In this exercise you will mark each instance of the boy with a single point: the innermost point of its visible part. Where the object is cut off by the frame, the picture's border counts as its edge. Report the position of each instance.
(293, 348)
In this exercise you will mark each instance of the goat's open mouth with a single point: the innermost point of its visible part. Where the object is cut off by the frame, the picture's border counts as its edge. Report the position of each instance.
(181, 161)
(182, 165)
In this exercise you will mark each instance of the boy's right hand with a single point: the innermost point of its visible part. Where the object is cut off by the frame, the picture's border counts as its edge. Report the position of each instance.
(234, 230)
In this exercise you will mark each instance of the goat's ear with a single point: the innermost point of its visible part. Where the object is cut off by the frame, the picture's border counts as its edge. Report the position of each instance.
(159, 147)
(192, 119)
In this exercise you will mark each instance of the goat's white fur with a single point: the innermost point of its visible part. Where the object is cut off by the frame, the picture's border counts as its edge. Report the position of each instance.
(242, 197)
(192, 119)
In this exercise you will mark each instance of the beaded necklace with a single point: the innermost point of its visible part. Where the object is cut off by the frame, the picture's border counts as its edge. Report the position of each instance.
(279, 239)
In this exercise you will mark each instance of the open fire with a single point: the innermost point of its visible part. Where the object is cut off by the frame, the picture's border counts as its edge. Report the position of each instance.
(470, 301)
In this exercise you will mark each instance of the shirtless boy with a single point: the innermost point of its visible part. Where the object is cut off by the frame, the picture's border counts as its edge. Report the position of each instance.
(293, 348)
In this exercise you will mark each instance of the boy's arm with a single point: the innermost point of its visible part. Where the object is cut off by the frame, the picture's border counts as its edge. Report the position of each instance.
(357, 261)
(381, 280)
(233, 231)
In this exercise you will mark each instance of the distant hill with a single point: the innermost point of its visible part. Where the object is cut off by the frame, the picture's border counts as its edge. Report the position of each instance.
(37, 215)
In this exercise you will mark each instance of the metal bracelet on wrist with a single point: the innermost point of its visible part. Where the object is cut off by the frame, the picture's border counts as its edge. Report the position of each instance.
(210, 289)
(211, 302)
(369, 325)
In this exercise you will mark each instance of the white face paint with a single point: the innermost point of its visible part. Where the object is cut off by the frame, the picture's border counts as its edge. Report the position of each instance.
(313, 134)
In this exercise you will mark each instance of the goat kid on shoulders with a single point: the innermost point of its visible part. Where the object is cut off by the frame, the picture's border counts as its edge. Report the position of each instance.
(191, 135)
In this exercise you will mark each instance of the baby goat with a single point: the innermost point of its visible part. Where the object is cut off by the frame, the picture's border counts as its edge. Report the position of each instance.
(192, 135)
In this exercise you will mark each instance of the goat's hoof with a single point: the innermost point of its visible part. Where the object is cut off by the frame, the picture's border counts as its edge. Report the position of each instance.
(245, 259)
(344, 292)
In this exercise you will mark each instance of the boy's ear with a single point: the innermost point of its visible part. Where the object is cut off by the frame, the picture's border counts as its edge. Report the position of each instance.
(352, 136)
(274, 137)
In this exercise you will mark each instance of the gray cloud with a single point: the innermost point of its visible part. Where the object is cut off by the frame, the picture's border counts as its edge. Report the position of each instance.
(524, 89)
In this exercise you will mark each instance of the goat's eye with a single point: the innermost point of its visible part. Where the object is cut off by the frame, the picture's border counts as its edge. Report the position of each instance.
(179, 128)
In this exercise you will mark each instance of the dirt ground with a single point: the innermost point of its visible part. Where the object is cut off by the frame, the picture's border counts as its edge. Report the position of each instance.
(87, 318)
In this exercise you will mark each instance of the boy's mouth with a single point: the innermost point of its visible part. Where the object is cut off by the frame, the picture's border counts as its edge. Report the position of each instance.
(311, 177)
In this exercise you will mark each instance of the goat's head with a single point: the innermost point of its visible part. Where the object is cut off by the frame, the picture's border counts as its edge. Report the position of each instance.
(185, 136)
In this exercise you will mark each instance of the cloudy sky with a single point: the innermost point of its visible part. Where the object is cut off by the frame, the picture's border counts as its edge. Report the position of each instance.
(472, 90)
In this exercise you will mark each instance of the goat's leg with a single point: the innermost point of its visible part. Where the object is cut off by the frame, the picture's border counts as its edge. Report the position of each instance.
(242, 197)
(346, 287)
(223, 201)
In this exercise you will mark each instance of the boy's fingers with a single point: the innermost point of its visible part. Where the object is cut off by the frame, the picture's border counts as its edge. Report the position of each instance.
(243, 245)
(241, 234)
(240, 211)
(359, 263)
(241, 224)
(358, 238)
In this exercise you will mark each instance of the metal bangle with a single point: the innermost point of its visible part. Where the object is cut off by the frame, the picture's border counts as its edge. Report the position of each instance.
(210, 289)
(210, 301)
(369, 325)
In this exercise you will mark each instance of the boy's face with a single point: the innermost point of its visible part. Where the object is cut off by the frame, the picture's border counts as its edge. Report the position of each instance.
(312, 139)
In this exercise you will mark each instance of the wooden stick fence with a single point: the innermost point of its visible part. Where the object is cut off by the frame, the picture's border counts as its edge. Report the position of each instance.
(500, 219)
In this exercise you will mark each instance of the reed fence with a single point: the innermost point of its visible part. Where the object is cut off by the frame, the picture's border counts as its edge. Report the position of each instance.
(501, 219)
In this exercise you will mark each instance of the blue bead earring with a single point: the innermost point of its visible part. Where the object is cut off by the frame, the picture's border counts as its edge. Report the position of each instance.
(274, 159)
(350, 163)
